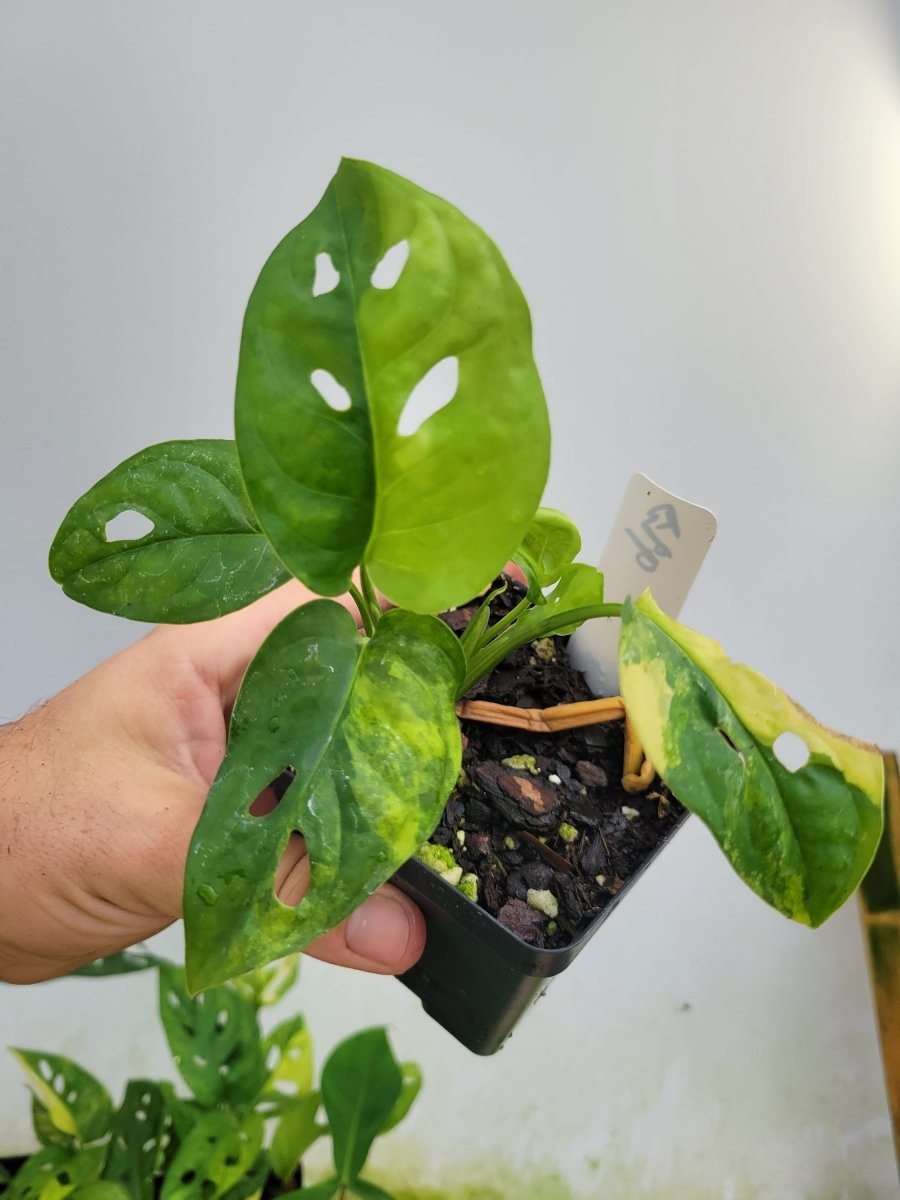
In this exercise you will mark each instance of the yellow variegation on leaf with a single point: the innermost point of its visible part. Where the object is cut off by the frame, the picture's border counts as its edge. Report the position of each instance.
(802, 839)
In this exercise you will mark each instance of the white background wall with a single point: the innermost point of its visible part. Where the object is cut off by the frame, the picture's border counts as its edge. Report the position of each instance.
(701, 201)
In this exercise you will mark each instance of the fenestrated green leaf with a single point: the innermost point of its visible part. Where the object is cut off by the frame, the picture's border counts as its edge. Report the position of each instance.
(550, 543)
(410, 1086)
(801, 839)
(137, 1147)
(124, 962)
(434, 513)
(361, 1082)
(54, 1173)
(288, 1052)
(214, 1039)
(213, 1158)
(369, 727)
(77, 1103)
(204, 556)
(577, 597)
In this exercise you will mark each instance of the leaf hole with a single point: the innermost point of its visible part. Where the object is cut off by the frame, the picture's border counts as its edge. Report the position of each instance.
(207, 1188)
(333, 393)
(129, 526)
(45, 1069)
(271, 795)
(149, 1145)
(188, 1176)
(434, 391)
(59, 1085)
(292, 875)
(327, 275)
(791, 751)
(231, 1160)
(64, 1177)
(725, 738)
(390, 268)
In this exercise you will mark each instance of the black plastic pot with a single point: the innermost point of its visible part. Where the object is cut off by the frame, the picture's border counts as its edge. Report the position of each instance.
(476, 978)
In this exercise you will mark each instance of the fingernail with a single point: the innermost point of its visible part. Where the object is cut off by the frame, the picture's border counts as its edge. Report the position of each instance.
(380, 930)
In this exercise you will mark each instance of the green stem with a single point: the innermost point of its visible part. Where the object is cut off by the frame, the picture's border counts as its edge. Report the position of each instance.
(487, 657)
(494, 631)
(363, 605)
(371, 595)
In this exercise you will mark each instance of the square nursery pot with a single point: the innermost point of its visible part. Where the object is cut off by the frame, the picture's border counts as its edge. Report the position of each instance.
(476, 978)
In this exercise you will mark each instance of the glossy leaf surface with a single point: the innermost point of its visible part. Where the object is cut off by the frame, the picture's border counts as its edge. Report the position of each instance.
(361, 1082)
(76, 1103)
(214, 1039)
(550, 543)
(204, 555)
(434, 513)
(801, 839)
(369, 728)
(216, 1154)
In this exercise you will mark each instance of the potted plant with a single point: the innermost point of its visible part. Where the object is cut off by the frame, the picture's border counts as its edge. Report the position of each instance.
(341, 474)
(252, 1113)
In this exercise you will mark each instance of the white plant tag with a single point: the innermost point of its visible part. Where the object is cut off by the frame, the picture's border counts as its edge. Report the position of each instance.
(658, 541)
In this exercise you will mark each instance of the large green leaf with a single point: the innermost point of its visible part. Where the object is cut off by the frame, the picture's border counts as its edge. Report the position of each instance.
(434, 513)
(801, 839)
(204, 556)
(214, 1039)
(361, 1082)
(369, 728)
(76, 1103)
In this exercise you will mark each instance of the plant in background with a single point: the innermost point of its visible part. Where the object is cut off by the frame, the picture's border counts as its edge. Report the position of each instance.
(342, 464)
(253, 1111)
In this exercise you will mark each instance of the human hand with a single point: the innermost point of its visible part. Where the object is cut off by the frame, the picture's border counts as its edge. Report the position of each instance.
(100, 790)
